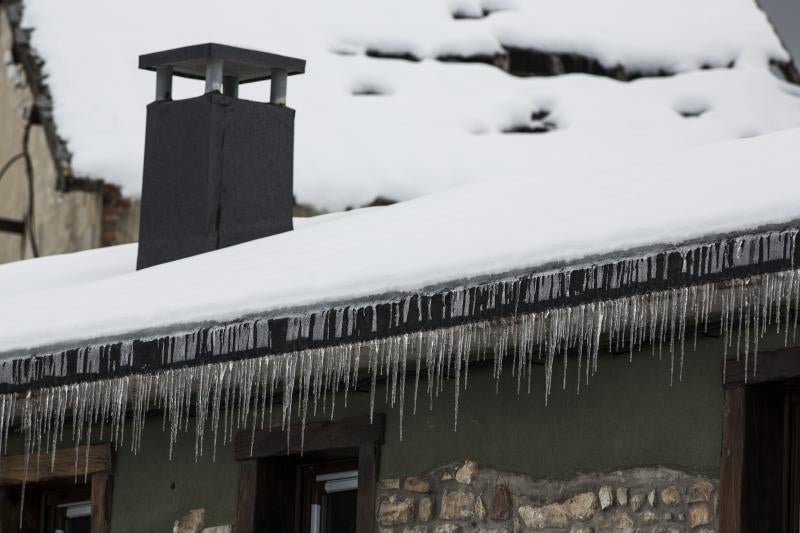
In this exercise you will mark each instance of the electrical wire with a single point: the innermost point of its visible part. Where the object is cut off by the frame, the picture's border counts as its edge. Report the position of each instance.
(9, 163)
(26, 156)
(29, 174)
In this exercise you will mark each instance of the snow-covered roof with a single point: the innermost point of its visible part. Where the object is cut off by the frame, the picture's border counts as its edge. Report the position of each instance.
(372, 127)
(464, 233)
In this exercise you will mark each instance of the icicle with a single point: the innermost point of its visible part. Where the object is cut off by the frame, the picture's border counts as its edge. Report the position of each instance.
(230, 395)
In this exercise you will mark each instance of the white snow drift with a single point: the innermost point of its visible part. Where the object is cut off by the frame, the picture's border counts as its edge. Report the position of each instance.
(468, 231)
(431, 124)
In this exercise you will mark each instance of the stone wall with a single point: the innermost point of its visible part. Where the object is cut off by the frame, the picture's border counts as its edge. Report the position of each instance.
(463, 497)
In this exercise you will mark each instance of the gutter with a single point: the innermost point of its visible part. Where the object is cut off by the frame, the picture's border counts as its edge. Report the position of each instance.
(675, 274)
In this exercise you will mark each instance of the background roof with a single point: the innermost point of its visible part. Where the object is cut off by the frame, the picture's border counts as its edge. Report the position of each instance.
(370, 127)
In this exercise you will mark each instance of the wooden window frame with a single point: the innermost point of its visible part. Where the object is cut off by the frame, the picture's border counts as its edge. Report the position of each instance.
(96, 463)
(357, 433)
(773, 367)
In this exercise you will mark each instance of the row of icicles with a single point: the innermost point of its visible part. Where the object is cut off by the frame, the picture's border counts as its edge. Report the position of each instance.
(272, 392)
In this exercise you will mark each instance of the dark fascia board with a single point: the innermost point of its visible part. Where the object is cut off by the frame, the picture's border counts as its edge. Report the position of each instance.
(244, 64)
(726, 257)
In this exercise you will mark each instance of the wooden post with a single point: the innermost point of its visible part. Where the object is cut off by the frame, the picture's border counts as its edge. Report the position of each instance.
(248, 488)
(101, 502)
(732, 461)
(368, 458)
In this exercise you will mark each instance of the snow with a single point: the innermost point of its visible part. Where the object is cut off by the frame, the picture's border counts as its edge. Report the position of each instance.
(472, 230)
(23, 278)
(435, 125)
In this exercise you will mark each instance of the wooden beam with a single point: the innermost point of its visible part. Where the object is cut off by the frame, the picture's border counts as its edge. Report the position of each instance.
(732, 461)
(777, 365)
(347, 433)
(101, 502)
(12, 468)
(368, 463)
(12, 226)
(248, 499)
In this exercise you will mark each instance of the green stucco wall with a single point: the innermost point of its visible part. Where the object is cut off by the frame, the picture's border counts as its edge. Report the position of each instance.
(151, 492)
(628, 416)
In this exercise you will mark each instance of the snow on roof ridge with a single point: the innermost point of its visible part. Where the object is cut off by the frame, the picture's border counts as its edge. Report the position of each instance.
(463, 233)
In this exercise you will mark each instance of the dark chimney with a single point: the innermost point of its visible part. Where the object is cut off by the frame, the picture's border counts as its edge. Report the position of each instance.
(217, 169)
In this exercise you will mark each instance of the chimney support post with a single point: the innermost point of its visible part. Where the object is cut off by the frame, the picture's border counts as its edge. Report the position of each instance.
(214, 70)
(163, 84)
(277, 89)
(230, 86)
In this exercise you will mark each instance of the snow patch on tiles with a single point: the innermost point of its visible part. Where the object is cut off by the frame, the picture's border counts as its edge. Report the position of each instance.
(370, 128)
(469, 231)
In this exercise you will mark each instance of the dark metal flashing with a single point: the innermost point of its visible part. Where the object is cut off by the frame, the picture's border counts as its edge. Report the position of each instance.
(490, 299)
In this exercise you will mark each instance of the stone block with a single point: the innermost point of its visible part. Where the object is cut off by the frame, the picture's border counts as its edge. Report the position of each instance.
(547, 516)
(622, 496)
(493, 530)
(617, 521)
(425, 510)
(457, 505)
(467, 472)
(501, 503)
(651, 498)
(389, 484)
(671, 496)
(581, 506)
(227, 528)
(581, 529)
(649, 517)
(192, 522)
(394, 511)
(415, 529)
(606, 495)
(637, 500)
(447, 528)
(699, 492)
(699, 515)
(480, 509)
(416, 484)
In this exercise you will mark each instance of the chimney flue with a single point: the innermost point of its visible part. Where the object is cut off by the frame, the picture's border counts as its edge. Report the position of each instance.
(217, 169)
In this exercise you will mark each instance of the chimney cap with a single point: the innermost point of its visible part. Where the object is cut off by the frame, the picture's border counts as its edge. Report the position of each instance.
(244, 64)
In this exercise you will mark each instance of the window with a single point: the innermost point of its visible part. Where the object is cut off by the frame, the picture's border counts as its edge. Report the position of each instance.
(332, 498)
(54, 501)
(760, 466)
(793, 460)
(329, 488)
(74, 517)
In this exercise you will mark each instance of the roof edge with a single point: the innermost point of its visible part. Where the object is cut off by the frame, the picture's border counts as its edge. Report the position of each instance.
(685, 267)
